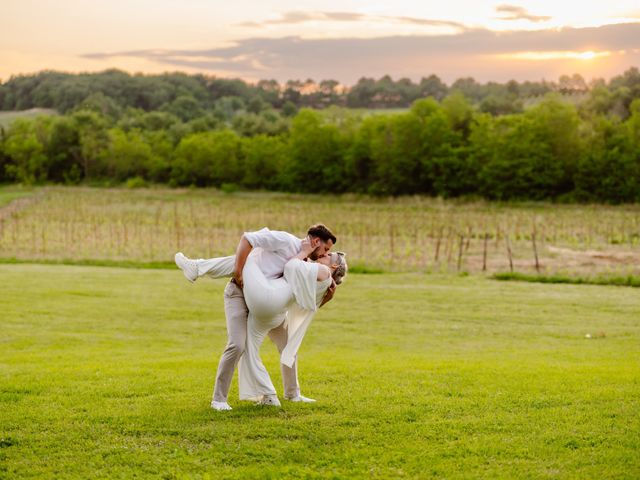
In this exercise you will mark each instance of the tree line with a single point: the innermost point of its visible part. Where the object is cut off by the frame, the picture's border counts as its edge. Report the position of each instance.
(191, 95)
(445, 146)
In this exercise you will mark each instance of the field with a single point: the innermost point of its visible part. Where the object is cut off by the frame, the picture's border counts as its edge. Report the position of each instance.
(6, 117)
(107, 373)
(418, 234)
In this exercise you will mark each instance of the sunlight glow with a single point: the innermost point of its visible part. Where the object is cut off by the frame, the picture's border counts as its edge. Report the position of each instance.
(555, 55)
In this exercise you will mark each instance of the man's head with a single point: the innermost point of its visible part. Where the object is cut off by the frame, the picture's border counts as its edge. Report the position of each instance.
(322, 239)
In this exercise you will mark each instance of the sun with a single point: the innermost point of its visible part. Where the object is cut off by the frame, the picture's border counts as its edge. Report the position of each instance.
(589, 55)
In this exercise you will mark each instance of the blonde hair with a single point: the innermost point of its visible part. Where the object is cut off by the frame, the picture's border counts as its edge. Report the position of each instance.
(341, 271)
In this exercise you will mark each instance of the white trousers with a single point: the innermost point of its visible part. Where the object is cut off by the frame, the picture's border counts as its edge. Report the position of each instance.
(245, 330)
(267, 300)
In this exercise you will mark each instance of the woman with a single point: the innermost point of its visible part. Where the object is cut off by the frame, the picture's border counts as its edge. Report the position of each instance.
(293, 299)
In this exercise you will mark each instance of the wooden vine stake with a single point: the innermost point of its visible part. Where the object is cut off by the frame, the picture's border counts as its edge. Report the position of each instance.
(484, 252)
(509, 252)
(535, 251)
(438, 242)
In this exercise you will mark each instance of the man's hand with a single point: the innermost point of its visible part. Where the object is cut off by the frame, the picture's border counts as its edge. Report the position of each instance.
(330, 291)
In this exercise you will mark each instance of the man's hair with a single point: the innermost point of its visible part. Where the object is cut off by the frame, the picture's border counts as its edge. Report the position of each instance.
(322, 232)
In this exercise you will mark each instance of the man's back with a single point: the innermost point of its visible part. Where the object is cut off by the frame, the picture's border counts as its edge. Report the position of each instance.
(273, 248)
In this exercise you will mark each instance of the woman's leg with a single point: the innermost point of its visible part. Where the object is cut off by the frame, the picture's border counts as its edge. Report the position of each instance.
(267, 300)
(279, 336)
(266, 297)
(218, 267)
(253, 379)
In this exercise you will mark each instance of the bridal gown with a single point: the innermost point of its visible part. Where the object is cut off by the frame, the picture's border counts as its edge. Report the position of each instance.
(293, 298)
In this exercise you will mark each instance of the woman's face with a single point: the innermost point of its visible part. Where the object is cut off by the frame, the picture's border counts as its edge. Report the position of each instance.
(326, 259)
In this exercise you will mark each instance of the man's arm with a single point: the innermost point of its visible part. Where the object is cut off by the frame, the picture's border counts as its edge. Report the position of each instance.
(242, 252)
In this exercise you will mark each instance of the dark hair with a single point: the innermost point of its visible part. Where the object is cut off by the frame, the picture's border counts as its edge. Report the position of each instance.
(322, 232)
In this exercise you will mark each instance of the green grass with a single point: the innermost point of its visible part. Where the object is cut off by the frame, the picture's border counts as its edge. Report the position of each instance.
(10, 193)
(89, 262)
(618, 281)
(108, 373)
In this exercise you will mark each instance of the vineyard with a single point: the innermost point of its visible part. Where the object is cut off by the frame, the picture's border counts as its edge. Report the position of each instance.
(406, 234)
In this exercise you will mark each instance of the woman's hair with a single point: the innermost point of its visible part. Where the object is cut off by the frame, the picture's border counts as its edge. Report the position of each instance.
(341, 271)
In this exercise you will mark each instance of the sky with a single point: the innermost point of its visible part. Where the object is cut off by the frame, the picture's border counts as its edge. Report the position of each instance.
(342, 40)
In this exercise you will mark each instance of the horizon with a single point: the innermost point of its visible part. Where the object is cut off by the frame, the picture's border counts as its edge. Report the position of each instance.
(317, 81)
(339, 40)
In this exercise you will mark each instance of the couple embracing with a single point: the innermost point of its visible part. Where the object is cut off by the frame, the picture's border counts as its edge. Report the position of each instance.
(278, 282)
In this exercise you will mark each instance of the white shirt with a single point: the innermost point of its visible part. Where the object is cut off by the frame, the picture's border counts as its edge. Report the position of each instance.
(275, 249)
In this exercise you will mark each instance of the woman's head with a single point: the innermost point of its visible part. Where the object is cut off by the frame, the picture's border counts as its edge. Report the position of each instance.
(337, 263)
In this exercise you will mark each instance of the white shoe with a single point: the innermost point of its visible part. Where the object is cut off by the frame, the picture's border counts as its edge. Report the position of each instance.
(301, 398)
(188, 267)
(270, 400)
(220, 406)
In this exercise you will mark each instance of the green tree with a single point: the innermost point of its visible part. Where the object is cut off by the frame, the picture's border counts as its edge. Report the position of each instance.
(504, 104)
(28, 162)
(185, 107)
(432, 86)
(610, 168)
(527, 156)
(289, 109)
(128, 155)
(264, 161)
(93, 142)
(63, 150)
(209, 158)
(316, 155)
(459, 111)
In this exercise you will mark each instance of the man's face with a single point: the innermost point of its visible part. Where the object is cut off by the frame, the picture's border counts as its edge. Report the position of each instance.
(322, 249)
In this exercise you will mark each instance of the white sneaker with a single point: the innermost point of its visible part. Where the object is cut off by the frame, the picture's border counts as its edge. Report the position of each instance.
(188, 267)
(301, 398)
(270, 400)
(220, 406)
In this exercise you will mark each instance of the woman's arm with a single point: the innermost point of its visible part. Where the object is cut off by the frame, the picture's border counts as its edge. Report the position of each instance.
(305, 249)
(323, 272)
(329, 295)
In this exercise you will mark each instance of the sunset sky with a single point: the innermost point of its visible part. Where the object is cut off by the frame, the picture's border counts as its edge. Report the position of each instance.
(329, 39)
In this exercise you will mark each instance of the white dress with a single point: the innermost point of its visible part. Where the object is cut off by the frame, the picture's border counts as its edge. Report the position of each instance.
(293, 298)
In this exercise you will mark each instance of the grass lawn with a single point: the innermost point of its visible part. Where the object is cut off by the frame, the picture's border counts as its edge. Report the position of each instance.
(10, 193)
(108, 373)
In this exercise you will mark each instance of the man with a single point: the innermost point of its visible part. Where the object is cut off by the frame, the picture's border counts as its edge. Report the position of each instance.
(276, 248)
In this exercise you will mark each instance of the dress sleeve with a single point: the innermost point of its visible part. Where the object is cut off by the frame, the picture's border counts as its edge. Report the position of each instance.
(302, 277)
(271, 240)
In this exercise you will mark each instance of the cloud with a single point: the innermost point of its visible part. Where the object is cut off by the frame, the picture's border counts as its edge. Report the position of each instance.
(484, 54)
(513, 12)
(298, 17)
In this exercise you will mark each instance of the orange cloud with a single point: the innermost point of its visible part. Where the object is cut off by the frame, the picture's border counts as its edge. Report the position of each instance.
(512, 12)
